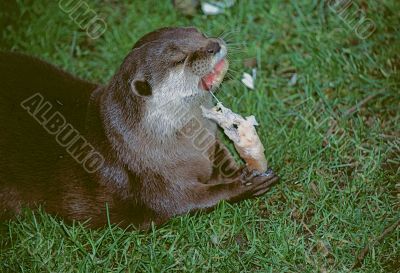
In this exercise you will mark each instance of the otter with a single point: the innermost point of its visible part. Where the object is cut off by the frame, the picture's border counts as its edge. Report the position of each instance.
(133, 152)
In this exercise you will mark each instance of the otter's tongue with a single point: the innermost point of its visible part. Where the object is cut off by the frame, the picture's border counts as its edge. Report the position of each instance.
(210, 79)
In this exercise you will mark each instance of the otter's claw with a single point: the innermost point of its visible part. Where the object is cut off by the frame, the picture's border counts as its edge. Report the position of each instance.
(248, 175)
(268, 173)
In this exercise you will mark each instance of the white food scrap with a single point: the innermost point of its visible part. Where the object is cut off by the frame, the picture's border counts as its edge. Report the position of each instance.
(247, 80)
(243, 134)
(216, 7)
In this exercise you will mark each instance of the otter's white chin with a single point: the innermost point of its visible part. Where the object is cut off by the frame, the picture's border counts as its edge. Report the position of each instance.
(215, 77)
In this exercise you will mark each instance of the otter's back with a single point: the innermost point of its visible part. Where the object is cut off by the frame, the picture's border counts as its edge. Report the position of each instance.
(28, 151)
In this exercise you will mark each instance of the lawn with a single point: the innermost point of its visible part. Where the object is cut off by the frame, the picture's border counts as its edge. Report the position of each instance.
(332, 134)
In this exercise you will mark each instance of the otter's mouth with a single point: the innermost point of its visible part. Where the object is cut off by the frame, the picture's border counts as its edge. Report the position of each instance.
(215, 77)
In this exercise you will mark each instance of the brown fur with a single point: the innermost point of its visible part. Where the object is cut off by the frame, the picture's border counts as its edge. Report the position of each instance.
(154, 166)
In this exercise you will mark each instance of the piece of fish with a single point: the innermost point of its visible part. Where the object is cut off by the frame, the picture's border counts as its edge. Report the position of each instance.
(243, 134)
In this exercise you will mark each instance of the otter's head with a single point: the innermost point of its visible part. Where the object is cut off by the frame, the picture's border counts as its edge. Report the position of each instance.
(171, 71)
(176, 63)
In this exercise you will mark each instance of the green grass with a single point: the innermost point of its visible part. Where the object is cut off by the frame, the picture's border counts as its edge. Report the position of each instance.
(336, 192)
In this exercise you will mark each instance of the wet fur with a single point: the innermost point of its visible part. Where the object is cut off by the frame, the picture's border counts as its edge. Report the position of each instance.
(152, 170)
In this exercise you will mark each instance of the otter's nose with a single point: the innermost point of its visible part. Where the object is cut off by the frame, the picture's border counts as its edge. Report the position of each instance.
(213, 47)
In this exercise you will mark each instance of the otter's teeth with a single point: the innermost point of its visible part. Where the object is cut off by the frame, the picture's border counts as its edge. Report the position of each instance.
(215, 77)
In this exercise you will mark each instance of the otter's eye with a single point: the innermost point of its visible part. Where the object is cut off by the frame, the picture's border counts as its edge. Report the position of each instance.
(181, 61)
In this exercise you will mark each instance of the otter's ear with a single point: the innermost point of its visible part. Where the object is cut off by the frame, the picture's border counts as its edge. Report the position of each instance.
(141, 88)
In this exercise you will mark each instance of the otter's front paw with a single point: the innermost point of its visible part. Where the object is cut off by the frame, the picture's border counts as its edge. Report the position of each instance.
(253, 183)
